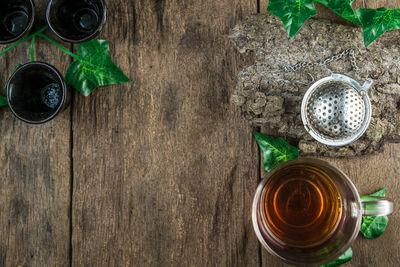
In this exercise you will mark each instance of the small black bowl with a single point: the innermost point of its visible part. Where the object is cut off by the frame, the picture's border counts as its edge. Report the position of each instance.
(16, 19)
(76, 21)
(36, 92)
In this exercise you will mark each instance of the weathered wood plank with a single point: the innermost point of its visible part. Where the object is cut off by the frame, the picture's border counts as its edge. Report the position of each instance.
(381, 3)
(263, 5)
(164, 167)
(34, 174)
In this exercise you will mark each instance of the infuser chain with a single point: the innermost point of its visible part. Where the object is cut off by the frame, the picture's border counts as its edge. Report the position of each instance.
(298, 67)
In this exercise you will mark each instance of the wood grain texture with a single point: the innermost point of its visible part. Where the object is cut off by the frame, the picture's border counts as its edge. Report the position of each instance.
(34, 174)
(263, 5)
(381, 3)
(164, 167)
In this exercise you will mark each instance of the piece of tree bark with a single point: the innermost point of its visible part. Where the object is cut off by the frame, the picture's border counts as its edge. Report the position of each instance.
(271, 98)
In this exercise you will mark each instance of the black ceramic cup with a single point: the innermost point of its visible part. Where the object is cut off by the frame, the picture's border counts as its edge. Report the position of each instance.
(76, 21)
(36, 92)
(16, 19)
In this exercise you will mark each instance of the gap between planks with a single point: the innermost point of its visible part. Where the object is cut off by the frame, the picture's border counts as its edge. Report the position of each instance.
(71, 192)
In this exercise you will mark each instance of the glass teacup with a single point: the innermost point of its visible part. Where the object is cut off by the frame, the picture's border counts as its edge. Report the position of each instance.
(308, 212)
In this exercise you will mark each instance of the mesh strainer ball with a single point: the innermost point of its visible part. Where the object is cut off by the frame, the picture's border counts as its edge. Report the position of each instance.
(336, 110)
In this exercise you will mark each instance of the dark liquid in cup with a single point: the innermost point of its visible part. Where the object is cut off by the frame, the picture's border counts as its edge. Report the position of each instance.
(35, 92)
(302, 206)
(16, 21)
(85, 19)
(41, 99)
(76, 20)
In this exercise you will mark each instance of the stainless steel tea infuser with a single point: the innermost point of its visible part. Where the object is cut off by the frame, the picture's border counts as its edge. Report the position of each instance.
(335, 110)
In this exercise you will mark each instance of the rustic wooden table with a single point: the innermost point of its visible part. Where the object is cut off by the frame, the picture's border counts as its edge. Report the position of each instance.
(160, 171)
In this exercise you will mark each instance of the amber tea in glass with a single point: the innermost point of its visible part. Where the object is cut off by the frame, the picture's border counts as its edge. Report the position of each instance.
(302, 206)
(308, 212)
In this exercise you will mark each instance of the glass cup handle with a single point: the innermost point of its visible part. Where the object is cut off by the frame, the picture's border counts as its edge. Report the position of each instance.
(376, 206)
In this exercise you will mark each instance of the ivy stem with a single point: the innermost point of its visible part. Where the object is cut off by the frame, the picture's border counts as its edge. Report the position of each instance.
(32, 47)
(23, 40)
(58, 45)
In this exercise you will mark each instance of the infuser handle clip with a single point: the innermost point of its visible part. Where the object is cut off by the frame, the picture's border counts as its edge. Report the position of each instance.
(367, 84)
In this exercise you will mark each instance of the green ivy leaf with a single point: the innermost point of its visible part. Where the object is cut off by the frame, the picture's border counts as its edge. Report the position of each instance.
(275, 151)
(293, 13)
(347, 256)
(94, 68)
(3, 101)
(374, 226)
(380, 193)
(375, 22)
(341, 7)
